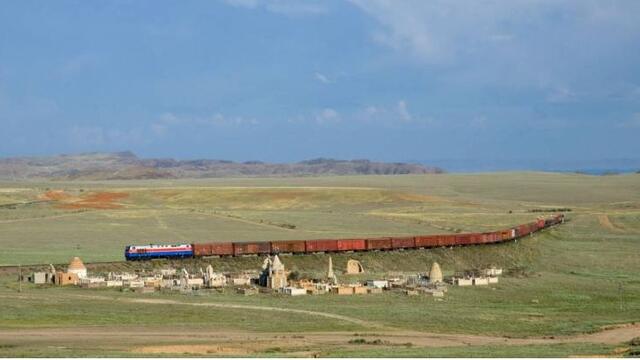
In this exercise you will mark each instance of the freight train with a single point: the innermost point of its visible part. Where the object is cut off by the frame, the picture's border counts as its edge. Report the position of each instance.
(144, 252)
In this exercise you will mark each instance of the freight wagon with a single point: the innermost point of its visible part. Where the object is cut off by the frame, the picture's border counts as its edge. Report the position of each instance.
(251, 248)
(213, 249)
(294, 246)
(314, 246)
(379, 244)
(352, 244)
(141, 252)
(403, 242)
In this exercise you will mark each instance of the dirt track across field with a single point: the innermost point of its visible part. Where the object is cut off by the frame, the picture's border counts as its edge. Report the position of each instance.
(159, 340)
(606, 223)
(259, 308)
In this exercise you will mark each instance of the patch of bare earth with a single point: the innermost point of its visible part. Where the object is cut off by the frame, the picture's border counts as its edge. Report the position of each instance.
(217, 350)
(606, 223)
(93, 200)
(56, 195)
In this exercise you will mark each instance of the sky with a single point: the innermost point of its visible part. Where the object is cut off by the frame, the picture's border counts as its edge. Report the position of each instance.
(279, 80)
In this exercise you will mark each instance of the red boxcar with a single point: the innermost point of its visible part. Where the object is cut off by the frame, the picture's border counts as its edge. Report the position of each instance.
(460, 239)
(219, 249)
(475, 238)
(351, 244)
(201, 249)
(489, 237)
(533, 226)
(293, 246)
(450, 240)
(442, 240)
(408, 242)
(321, 245)
(222, 249)
(251, 248)
(379, 244)
(426, 241)
(526, 229)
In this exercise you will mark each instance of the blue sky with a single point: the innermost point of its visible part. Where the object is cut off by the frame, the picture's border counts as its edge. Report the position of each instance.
(291, 80)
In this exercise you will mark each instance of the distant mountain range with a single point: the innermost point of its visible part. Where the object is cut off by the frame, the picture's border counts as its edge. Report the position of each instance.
(127, 166)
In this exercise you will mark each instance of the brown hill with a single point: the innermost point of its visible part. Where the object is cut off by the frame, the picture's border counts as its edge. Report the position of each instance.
(127, 166)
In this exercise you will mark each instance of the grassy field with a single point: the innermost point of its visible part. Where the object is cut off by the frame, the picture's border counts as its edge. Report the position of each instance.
(265, 209)
(566, 281)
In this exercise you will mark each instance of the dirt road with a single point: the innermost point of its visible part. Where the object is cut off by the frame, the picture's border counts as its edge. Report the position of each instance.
(181, 340)
(260, 308)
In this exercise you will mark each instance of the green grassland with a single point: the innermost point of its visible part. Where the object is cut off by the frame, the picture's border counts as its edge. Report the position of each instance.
(293, 208)
(572, 279)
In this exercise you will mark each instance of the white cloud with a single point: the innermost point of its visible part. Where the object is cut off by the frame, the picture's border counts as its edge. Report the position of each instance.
(443, 31)
(401, 107)
(390, 115)
(322, 78)
(371, 110)
(171, 119)
(99, 136)
(561, 95)
(412, 27)
(327, 116)
(159, 129)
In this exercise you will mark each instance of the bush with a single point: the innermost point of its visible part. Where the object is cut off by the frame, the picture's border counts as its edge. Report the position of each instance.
(358, 341)
(361, 341)
(294, 275)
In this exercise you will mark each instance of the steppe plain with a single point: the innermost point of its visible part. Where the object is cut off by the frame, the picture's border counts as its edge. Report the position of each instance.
(573, 290)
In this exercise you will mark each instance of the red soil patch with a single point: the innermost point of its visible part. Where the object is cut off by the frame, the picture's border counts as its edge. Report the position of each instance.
(94, 200)
(105, 197)
(55, 195)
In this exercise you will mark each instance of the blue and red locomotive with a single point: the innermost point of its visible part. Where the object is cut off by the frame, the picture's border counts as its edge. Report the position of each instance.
(143, 252)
